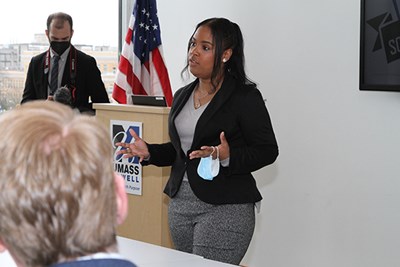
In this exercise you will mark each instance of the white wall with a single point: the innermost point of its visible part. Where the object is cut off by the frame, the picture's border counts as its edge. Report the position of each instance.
(333, 196)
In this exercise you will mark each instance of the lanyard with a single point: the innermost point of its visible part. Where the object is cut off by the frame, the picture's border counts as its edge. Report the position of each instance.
(72, 67)
(72, 64)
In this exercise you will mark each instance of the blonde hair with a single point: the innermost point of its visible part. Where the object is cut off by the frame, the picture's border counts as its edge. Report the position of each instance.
(57, 186)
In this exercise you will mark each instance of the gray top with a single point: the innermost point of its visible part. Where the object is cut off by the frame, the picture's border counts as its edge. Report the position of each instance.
(186, 123)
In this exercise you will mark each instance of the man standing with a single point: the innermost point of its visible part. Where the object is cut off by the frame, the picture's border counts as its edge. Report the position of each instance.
(63, 65)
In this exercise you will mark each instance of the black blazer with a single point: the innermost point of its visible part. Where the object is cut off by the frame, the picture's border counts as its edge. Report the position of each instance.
(239, 111)
(88, 81)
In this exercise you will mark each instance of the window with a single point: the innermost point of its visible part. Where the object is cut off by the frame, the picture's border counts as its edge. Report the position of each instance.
(95, 33)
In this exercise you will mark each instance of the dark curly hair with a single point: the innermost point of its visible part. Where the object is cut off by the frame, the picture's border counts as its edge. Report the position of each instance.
(226, 35)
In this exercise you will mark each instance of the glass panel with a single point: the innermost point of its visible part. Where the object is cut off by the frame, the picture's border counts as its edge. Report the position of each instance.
(96, 32)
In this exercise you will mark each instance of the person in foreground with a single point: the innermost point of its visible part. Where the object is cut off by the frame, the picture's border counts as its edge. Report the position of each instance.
(220, 133)
(64, 65)
(60, 199)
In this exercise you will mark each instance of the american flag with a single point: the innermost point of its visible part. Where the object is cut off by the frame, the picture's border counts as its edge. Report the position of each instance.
(141, 69)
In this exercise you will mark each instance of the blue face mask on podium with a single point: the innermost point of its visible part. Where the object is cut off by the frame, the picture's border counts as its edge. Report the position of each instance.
(208, 167)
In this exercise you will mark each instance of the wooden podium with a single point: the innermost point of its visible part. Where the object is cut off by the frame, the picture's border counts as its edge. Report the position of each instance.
(148, 214)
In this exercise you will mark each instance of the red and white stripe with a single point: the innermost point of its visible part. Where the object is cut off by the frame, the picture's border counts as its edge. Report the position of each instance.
(133, 77)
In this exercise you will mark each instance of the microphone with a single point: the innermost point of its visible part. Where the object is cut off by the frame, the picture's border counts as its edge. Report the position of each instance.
(63, 95)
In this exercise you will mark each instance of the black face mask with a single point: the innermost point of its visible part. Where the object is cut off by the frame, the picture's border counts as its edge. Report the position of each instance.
(59, 47)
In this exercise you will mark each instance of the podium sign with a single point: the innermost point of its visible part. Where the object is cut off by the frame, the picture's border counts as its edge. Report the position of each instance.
(147, 219)
(129, 168)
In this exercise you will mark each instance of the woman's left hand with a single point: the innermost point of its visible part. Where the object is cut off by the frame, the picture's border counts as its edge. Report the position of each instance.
(206, 151)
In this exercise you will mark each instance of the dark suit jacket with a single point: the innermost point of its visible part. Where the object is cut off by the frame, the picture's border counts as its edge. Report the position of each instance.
(88, 80)
(239, 111)
(96, 263)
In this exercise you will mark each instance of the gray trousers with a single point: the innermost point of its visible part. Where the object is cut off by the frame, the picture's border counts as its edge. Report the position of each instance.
(218, 232)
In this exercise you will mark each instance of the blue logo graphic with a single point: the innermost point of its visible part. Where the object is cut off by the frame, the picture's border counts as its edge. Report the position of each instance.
(119, 134)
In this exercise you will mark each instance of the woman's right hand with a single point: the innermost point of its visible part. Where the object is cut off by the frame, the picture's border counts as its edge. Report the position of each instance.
(136, 149)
